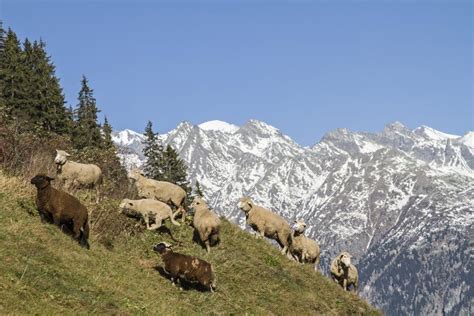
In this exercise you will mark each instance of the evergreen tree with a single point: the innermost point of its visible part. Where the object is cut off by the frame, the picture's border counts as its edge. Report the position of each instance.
(47, 92)
(107, 135)
(198, 190)
(174, 169)
(153, 151)
(86, 131)
(12, 76)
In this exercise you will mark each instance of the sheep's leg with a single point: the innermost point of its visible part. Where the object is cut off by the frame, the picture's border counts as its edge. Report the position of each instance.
(261, 234)
(208, 246)
(77, 230)
(147, 220)
(344, 284)
(56, 219)
(97, 193)
(183, 212)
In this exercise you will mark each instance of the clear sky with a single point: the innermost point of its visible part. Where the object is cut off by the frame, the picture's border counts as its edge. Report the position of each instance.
(306, 67)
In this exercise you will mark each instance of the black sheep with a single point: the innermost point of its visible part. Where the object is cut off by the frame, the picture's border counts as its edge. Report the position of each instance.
(62, 208)
(185, 267)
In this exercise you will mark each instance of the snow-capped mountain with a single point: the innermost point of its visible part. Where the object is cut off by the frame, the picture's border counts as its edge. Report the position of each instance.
(401, 201)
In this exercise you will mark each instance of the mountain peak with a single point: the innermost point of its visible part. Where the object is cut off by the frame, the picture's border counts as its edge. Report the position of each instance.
(431, 133)
(216, 125)
(262, 126)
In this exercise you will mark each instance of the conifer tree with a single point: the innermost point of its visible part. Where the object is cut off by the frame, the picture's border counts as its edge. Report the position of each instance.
(48, 95)
(153, 151)
(12, 76)
(86, 131)
(198, 190)
(107, 135)
(174, 169)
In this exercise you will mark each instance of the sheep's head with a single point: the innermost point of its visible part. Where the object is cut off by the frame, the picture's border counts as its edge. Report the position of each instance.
(135, 174)
(126, 207)
(41, 181)
(345, 259)
(245, 204)
(61, 157)
(198, 201)
(162, 248)
(299, 226)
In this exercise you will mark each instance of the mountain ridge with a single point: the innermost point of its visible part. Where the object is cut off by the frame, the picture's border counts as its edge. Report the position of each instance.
(357, 191)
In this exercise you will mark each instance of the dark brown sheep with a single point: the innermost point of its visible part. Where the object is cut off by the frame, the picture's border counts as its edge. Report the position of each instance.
(61, 208)
(188, 268)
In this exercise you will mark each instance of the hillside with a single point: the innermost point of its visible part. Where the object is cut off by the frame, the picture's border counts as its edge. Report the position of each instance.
(396, 198)
(44, 271)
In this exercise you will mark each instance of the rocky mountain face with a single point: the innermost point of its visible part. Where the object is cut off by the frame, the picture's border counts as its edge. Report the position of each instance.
(401, 201)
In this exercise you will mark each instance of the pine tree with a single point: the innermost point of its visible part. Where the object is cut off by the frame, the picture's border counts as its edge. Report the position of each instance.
(153, 151)
(48, 94)
(107, 135)
(86, 131)
(198, 190)
(12, 76)
(174, 169)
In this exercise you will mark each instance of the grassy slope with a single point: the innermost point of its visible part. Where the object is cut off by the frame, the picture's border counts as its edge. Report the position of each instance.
(44, 271)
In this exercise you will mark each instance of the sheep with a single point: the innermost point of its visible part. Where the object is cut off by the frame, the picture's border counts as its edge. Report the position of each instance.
(148, 209)
(344, 272)
(267, 223)
(206, 223)
(185, 267)
(62, 207)
(303, 248)
(164, 191)
(75, 175)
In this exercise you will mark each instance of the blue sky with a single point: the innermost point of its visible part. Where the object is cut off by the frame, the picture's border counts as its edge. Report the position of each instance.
(306, 67)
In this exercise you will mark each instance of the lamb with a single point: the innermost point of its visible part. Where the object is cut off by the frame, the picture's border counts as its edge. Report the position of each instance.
(303, 248)
(206, 223)
(344, 272)
(267, 223)
(164, 191)
(76, 175)
(185, 267)
(148, 209)
(62, 207)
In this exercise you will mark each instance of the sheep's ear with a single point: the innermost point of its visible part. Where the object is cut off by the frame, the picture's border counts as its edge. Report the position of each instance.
(49, 178)
(67, 155)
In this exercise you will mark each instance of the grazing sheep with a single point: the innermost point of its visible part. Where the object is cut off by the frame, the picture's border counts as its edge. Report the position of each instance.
(166, 192)
(148, 209)
(344, 272)
(267, 223)
(303, 248)
(77, 175)
(62, 207)
(188, 268)
(206, 223)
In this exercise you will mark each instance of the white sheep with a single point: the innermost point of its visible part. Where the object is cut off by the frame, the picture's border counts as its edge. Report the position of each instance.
(267, 223)
(148, 209)
(206, 223)
(76, 175)
(303, 248)
(344, 272)
(164, 191)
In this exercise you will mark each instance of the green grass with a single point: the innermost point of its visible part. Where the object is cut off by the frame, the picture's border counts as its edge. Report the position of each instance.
(43, 271)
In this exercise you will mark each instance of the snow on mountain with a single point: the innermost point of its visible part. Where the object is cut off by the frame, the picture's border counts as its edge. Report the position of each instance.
(217, 125)
(468, 139)
(401, 201)
(431, 133)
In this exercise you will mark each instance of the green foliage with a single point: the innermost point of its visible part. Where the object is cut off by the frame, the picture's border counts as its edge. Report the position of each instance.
(153, 151)
(198, 190)
(107, 135)
(32, 97)
(86, 132)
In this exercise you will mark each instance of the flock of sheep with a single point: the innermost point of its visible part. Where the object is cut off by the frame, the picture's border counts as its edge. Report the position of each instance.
(155, 206)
